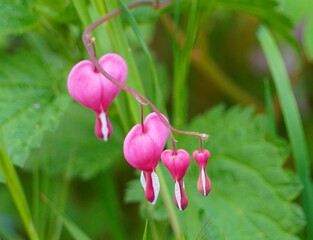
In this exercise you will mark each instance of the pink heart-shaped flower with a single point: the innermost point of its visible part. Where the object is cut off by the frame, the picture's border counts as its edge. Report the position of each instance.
(143, 145)
(204, 184)
(91, 89)
(176, 162)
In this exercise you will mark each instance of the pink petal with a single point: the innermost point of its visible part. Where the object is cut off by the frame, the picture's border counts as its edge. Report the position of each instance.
(143, 150)
(84, 85)
(116, 66)
(177, 163)
(201, 157)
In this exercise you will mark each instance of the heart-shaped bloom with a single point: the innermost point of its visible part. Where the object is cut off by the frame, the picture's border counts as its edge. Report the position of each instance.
(91, 89)
(177, 162)
(204, 184)
(143, 146)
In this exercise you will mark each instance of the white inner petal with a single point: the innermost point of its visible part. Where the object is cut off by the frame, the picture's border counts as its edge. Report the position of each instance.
(178, 195)
(203, 181)
(155, 185)
(104, 126)
(143, 180)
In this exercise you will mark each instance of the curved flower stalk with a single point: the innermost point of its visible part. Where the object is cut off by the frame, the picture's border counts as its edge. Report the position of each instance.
(143, 146)
(93, 90)
(177, 162)
(204, 184)
(95, 84)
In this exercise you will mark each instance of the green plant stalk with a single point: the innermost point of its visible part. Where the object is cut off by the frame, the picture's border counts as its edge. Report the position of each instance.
(106, 187)
(72, 228)
(17, 193)
(292, 121)
(82, 11)
(169, 205)
(158, 98)
(120, 43)
(181, 66)
(269, 107)
(144, 237)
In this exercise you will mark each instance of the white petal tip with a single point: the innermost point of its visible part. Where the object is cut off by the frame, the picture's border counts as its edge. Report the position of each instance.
(104, 126)
(156, 186)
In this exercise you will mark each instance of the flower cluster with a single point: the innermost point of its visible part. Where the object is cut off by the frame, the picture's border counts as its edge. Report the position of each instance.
(95, 86)
(143, 148)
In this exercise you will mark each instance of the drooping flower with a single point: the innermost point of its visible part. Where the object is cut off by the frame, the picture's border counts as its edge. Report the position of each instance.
(177, 162)
(204, 184)
(91, 89)
(143, 146)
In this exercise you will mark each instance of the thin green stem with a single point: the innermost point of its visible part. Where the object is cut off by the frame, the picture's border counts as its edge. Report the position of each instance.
(169, 205)
(16, 191)
(181, 65)
(292, 120)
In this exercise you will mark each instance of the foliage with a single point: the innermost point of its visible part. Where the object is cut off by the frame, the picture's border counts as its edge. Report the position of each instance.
(251, 192)
(185, 58)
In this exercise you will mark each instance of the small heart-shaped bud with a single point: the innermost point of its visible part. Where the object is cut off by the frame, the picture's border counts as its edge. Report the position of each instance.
(177, 162)
(201, 157)
(204, 184)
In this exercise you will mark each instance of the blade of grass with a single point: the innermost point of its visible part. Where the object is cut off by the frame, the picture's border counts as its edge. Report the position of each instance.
(15, 188)
(72, 228)
(182, 62)
(269, 107)
(119, 41)
(158, 98)
(144, 237)
(292, 120)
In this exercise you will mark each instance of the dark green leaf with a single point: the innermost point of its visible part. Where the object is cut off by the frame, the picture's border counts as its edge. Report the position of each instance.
(252, 193)
(32, 98)
(75, 143)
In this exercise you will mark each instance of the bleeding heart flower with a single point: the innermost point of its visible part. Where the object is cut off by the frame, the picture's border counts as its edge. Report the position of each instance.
(177, 162)
(143, 146)
(91, 89)
(204, 183)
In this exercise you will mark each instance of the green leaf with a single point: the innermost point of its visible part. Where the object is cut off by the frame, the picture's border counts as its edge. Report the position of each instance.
(16, 16)
(71, 227)
(252, 193)
(74, 142)
(292, 120)
(32, 98)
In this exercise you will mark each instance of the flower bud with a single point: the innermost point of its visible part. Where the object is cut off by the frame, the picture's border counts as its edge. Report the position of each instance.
(204, 184)
(177, 162)
(142, 148)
